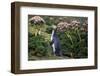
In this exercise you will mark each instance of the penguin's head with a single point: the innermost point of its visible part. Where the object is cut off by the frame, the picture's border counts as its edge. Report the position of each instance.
(54, 27)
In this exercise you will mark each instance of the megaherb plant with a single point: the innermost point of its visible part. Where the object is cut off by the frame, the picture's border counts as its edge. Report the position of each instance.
(72, 33)
(74, 42)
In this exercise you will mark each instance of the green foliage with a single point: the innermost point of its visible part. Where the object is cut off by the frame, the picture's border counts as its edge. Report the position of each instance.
(38, 46)
(73, 40)
(49, 30)
(74, 43)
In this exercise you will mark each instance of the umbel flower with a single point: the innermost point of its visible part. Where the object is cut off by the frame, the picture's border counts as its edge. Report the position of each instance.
(85, 26)
(37, 20)
(75, 23)
(38, 23)
(62, 26)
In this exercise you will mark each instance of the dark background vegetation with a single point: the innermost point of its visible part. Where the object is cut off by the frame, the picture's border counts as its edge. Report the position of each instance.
(73, 41)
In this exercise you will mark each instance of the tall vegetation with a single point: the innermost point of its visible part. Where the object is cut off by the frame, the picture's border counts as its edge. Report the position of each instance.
(72, 33)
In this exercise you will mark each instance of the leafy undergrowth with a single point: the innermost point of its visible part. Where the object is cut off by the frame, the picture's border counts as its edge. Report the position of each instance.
(73, 39)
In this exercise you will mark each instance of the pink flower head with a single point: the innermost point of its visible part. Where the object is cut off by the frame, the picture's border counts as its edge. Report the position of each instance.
(36, 20)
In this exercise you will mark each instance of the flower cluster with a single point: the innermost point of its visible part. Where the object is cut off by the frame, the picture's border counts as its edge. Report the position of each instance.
(37, 20)
(75, 23)
(62, 26)
(85, 26)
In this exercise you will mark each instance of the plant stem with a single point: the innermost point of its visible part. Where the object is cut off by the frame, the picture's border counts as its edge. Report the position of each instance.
(70, 38)
(78, 34)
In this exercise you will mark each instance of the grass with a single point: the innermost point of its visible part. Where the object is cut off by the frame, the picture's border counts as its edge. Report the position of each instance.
(47, 58)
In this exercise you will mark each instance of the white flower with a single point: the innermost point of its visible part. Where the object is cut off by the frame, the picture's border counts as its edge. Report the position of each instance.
(62, 26)
(75, 23)
(36, 20)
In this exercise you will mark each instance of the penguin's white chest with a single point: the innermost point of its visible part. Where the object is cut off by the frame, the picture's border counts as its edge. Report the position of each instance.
(53, 46)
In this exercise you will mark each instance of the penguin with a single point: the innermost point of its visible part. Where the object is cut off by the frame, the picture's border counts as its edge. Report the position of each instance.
(55, 42)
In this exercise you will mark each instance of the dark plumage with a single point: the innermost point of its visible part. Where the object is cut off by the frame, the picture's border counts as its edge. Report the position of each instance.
(56, 44)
